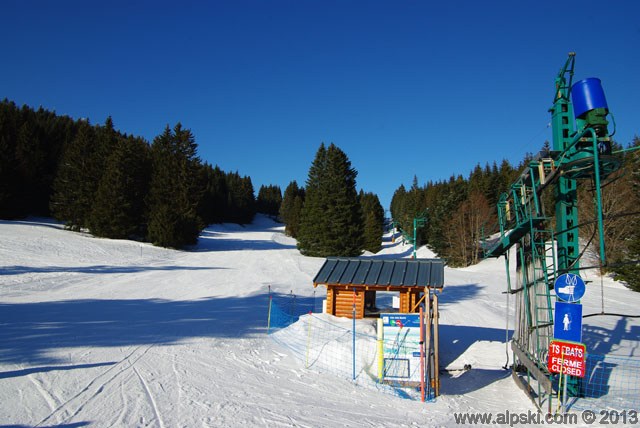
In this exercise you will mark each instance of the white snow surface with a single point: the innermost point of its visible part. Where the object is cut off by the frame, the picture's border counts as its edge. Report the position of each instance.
(97, 332)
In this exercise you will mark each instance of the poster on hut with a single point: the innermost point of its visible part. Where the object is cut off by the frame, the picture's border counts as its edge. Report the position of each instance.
(401, 347)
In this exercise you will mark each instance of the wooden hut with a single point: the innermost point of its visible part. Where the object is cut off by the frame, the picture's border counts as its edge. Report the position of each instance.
(352, 281)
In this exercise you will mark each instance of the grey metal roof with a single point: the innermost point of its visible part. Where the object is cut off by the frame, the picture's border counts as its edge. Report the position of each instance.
(381, 272)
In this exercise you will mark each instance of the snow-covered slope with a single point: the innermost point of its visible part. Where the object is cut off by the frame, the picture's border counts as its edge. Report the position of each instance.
(117, 333)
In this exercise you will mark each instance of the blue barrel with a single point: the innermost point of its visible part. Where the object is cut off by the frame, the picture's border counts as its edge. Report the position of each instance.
(587, 94)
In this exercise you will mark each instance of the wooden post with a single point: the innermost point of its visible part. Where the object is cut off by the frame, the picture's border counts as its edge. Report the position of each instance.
(422, 354)
(380, 351)
(404, 302)
(427, 341)
(354, 333)
(435, 344)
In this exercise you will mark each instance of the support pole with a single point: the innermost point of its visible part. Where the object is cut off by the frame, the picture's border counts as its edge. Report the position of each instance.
(269, 316)
(308, 341)
(354, 335)
(421, 354)
(427, 344)
(415, 236)
(436, 367)
(380, 350)
(596, 161)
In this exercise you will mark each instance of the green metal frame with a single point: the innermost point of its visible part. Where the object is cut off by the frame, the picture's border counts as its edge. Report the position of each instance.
(543, 254)
(419, 221)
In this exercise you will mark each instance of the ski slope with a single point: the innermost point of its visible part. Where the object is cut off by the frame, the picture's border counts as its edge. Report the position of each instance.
(97, 332)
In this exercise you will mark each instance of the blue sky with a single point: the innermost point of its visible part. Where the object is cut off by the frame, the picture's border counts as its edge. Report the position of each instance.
(403, 88)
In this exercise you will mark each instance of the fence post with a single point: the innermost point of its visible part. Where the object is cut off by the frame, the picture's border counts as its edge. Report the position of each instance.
(354, 334)
(427, 344)
(380, 351)
(308, 339)
(292, 306)
(436, 345)
(269, 316)
(421, 354)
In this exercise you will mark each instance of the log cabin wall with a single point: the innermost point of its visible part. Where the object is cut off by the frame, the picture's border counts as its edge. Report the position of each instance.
(331, 301)
(343, 303)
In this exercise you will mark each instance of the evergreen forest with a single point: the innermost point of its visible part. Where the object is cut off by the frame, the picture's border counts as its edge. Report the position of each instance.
(459, 213)
(98, 179)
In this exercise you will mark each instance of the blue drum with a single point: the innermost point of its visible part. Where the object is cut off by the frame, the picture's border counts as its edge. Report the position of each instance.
(587, 95)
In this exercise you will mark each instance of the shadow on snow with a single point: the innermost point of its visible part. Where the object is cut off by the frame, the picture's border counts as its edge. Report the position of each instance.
(97, 269)
(29, 332)
(454, 341)
(209, 242)
(44, 369)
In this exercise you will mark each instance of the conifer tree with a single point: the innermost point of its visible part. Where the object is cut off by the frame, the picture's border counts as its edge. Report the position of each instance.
(10, 183)
(373, 220)
(331, 219)
(30, 163)
(174, 191)
(214, 206)
(291, 208)
(7, 174)
(118, 210)
(241, 199)
(269, 200)
(75, 185)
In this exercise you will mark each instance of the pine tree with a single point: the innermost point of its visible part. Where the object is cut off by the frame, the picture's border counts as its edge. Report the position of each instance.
(214, 206)
(373, 221)
(7, 171)
(241, 199)
(30, 162)
(75, 184)
(331, 219)
(174, 192)
(291, 207)
(9, 177)
(269, 200)
(313, 218)
(118, 210)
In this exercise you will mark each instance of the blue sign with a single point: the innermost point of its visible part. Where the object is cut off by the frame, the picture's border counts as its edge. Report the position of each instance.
(567, 324)
(401, 347)
(401, 320)
(569, 287)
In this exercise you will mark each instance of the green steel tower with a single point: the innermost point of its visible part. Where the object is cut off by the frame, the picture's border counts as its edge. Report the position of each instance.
(566, 197)
(581, 150)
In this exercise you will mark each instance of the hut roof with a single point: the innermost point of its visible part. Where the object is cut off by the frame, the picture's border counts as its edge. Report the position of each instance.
(381, 272)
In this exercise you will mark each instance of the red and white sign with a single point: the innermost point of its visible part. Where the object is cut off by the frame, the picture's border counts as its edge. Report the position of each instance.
(567, 357)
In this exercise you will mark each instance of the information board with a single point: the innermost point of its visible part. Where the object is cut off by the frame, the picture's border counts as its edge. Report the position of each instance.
(567, 358)
(567, 322)
(401, 347)
(569, 287)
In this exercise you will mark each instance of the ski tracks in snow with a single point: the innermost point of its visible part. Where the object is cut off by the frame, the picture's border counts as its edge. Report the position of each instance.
(71, 408)
(149, 396)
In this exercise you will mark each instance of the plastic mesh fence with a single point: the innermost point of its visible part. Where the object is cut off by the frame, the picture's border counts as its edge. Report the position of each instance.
(326, 345)
(285, 310)
(611, 383)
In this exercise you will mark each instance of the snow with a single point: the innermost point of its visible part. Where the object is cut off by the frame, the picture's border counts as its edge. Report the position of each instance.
(117, 333)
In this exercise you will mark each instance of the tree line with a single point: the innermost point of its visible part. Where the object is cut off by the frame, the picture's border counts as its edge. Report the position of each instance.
(96, 178)
(461, 211)
(116, 185)
(458, 211)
